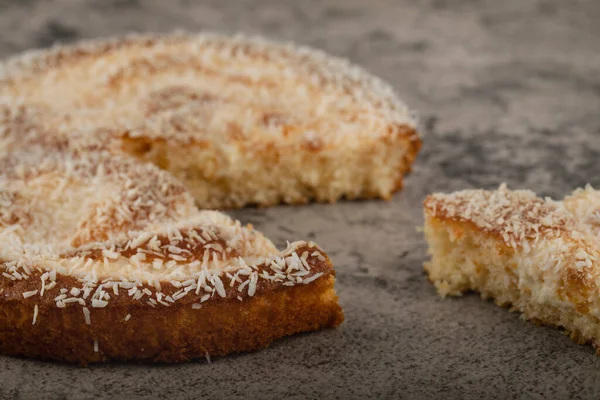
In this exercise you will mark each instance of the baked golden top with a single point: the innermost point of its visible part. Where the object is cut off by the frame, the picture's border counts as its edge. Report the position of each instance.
(194, 88)
(554, 236)
(516, 216)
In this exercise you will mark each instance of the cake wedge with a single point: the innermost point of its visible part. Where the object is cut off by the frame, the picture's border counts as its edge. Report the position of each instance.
(538, 256)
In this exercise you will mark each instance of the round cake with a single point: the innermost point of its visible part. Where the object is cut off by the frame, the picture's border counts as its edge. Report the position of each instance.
(109, 151)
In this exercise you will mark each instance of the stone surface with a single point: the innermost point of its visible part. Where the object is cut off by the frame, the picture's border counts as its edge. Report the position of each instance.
(508, 91)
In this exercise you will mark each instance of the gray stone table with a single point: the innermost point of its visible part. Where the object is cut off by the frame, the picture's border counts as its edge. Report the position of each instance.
(508, 91)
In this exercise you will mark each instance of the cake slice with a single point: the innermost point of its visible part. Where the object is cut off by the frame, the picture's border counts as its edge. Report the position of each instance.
(538, 256)
(105, 258)
(238, 120)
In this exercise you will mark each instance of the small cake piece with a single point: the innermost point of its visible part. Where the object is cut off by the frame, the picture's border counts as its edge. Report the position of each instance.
(238, 120)
(106, 258)
(538, 256)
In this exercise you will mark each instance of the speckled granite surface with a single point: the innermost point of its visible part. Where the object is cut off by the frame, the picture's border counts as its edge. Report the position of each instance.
(507, 91)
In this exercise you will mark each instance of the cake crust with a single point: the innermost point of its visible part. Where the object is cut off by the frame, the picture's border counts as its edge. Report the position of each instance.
(190, 328)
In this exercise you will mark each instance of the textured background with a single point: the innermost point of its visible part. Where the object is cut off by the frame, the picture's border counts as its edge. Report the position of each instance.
(507, 91)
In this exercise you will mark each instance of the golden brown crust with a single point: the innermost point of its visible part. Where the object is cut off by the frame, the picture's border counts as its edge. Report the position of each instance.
(414, 145)
(192, 327)
(174, 334)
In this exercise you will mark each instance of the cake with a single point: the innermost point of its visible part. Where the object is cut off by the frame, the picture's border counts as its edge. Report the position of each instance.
(113, 153)
(538, 256)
